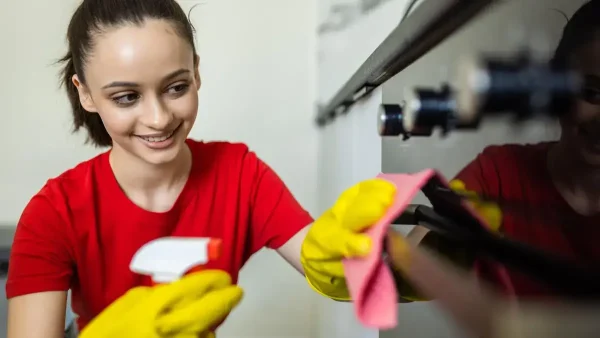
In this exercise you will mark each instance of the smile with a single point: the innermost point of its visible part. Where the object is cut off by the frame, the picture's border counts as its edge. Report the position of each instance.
(159, 138)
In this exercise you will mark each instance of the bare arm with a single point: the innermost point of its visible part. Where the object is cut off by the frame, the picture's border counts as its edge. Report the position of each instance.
(37, 315)
(290, 251)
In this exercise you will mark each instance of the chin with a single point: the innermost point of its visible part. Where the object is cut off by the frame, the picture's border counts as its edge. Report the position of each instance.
(159, 154)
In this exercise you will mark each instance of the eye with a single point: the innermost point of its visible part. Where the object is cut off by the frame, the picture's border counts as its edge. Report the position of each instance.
(591, 95)
(178, 89)
(126, 100)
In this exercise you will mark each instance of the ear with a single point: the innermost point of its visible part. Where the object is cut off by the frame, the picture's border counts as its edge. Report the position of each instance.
(197, 70)
(85, 98)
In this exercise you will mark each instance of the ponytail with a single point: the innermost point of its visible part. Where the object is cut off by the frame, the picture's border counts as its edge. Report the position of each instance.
(92, 122)
(579, 30)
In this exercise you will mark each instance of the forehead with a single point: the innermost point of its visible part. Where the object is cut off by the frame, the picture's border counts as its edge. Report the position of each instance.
(141, 53)
(587, 57)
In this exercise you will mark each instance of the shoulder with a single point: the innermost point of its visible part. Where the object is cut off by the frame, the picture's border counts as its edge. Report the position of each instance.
(74, 186)
(510, 152)
(512, 160)
(497, 167)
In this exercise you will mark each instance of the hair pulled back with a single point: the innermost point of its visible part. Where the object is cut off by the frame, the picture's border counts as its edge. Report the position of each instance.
(92, 17)
(579, 30)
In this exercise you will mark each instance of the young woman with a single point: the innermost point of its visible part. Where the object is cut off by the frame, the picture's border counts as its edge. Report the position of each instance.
(556, 183)
(131, 74)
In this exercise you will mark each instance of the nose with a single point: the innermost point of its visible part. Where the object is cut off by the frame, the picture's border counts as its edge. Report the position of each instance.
(156, 115)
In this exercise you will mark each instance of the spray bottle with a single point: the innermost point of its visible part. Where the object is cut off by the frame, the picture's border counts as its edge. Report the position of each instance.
(167, 259)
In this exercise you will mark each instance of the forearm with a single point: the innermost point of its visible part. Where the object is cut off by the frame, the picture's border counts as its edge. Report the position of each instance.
(291, 250)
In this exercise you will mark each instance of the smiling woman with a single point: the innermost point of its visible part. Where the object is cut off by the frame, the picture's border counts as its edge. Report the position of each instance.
(131, 74)
(142, 84)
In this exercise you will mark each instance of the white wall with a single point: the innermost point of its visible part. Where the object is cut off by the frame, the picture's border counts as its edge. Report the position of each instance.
(258, 68)
(349, 153)
(349, 149)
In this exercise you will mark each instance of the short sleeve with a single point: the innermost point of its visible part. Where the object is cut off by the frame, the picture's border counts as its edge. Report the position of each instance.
(39, 259)
(276, 215)
(481, 175)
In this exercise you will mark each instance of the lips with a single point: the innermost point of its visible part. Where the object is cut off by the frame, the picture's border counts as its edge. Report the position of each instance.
(155, 138)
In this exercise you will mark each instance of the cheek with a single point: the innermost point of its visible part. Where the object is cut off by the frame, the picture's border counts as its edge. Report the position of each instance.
(582, 112)
(117, 121)
(185, 107)
(586, 112)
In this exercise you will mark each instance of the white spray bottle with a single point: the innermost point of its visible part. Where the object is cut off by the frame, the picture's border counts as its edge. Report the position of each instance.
(167, 259)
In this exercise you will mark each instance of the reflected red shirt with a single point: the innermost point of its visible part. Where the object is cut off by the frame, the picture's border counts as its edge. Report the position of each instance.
(518, 174)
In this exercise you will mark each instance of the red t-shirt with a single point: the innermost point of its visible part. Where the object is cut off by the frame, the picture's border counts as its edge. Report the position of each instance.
(81, 231)
(518, 174)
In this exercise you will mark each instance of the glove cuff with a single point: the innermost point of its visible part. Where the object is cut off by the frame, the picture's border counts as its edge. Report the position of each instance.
(338, 293)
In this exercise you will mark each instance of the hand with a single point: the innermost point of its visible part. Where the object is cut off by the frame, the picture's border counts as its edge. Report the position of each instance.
(337, 235)
(187, 308)
(490, 212)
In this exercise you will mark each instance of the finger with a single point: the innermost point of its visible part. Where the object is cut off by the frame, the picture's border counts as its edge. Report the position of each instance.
(193, 335)
(337, 243)
(457, 185)
(376, 187)
(129, 300)
(372, 184)
(191, 286)
(365, 211)
(202, 314)
(327, 268)
(188, 335)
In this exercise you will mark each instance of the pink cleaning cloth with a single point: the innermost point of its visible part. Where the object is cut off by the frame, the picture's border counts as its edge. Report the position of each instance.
(370, 281)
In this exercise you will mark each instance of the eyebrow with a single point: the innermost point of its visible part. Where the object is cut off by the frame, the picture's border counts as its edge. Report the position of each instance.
(133, 84)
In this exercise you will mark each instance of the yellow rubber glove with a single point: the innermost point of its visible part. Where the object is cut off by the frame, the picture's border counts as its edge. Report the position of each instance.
(337, 235)
(187, 308)
(490, 212)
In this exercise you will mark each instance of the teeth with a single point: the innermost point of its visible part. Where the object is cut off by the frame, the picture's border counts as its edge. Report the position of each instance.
(157, 138)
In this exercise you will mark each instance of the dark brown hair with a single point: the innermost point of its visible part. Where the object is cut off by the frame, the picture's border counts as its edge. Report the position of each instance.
(579, 30)
(90, 19)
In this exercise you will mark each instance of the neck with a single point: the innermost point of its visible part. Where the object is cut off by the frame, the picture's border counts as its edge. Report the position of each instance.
(577, 182)
(133, 173)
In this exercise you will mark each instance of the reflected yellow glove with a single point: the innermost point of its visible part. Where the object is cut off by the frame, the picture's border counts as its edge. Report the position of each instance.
(337, 235)
(187, 308)
(489, 211)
